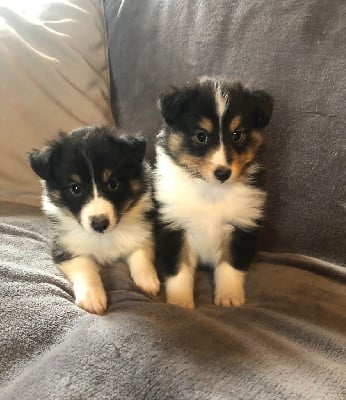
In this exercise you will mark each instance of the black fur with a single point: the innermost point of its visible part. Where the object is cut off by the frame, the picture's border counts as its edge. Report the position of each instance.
(59, 253)
(243, 248)
(168, 244)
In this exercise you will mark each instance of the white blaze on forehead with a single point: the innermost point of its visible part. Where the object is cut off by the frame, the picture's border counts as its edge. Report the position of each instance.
(220, 101)
(95, 192)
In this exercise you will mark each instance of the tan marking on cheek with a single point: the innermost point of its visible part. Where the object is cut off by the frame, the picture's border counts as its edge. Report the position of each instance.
(190, 161)
(76, 178)
(206, 124)
(235, 123)
(126, 206)
(107, 173)
(54, 195)
(175, 141)
(240, 161)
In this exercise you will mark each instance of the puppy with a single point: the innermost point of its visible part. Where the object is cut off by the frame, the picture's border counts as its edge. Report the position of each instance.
(97, 195)
(207, 186)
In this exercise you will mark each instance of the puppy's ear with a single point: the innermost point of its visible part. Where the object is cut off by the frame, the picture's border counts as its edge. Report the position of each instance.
(172, 103)
(264, 103)
(137, 148)
(41, 159)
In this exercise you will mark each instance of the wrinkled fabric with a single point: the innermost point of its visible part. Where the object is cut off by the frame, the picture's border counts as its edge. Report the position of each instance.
(287, 342)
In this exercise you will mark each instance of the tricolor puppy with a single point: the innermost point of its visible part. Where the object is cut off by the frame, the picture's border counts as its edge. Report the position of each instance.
(207, 186)
(97, 194)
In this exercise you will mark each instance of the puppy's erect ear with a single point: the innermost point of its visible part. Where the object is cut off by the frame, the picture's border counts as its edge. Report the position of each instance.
(264, 103)
(137, 147)
(40, 159)
(172, 103)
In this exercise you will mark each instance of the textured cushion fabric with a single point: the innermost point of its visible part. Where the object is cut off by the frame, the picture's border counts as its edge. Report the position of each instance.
(54, 75)
(296, 50)
(288, 342)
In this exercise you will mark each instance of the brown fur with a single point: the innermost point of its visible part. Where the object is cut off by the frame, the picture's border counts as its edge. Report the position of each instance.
(206, 124)
(235, 123)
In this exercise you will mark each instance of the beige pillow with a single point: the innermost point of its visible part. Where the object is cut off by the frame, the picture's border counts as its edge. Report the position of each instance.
(53, 75)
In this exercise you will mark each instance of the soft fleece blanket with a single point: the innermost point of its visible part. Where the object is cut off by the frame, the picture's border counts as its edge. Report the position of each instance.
(288, 342)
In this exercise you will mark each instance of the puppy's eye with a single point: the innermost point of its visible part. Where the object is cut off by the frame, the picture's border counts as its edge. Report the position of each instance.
(238, 136)
(201, 136)
(112, 184)
(76, 189)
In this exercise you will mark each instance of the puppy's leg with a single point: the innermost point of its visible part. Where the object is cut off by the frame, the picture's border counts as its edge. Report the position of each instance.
(176, 261)
(230, 275)
(143, 271)
(229, 286)
(83, 273)
(179, 288)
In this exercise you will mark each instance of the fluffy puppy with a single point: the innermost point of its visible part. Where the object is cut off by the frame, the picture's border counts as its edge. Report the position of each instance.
(97, 195)
(207, 186)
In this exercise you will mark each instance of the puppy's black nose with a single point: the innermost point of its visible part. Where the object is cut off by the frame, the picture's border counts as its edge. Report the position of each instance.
(222, 173)
(100, 223)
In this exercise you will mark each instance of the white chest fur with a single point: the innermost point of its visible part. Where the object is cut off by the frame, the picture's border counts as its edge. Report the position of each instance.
(206, 211)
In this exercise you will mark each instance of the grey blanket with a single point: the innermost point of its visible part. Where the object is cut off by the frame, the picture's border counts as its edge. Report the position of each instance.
(288, 342)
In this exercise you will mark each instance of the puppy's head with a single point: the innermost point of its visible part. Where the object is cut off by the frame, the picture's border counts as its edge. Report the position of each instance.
(214, 128)
(92, 175)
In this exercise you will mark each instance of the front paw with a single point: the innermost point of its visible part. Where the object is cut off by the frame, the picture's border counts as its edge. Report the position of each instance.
(179, 291)
(229, 298)
(91, 298)
(229, 286)
(148, 281)
(181, 301)
(179, 288)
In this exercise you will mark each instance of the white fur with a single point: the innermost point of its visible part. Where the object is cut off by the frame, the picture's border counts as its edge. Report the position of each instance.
(229, 286)
(206, 211)
(221, 102)
(143, 271)
(131, 233)
(88, 289)
(219, 157)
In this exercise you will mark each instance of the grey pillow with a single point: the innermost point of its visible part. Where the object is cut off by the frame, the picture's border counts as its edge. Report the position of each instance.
(296, 50)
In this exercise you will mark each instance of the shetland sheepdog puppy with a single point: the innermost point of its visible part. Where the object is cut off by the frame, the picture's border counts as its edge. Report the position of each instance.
(98, 197)
(208, 186)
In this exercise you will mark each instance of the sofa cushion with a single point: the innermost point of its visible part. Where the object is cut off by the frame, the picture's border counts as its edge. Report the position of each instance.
(296, 50)
(54, 75)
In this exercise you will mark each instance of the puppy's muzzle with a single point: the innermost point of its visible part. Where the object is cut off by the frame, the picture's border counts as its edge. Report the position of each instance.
(222, 173)
(99, 223)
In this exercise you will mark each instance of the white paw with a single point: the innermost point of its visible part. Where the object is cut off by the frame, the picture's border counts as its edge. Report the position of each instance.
(230, 299)
(148, 281)
(181, 301)
(229, 286)
(91, 298)
(179, 290)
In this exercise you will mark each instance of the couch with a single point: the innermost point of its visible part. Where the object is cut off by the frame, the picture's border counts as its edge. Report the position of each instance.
(67, 63)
